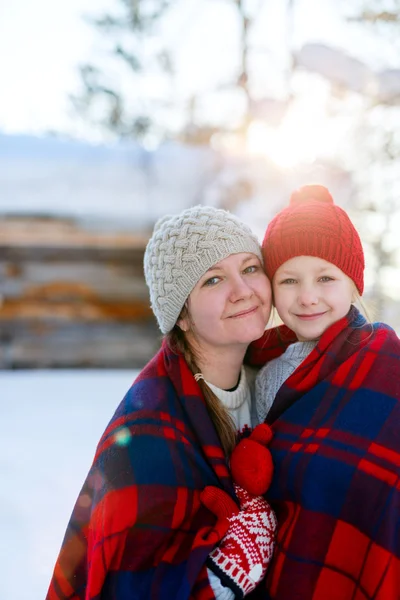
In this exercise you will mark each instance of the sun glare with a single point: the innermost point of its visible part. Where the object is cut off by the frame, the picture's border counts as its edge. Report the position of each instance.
(305, 134)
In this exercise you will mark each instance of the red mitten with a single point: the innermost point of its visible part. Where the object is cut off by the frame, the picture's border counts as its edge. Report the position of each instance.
(251, 461)
(243, 555)
(222, 506)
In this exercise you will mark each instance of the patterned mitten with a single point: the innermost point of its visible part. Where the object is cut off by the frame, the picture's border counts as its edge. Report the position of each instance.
(242, 557)
(251, 462)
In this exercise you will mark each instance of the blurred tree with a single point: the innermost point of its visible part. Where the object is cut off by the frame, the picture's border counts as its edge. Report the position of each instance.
(377, 204)
(138, 99)
(195, 132)
(378, 142)
(378, 13)
(118, 106)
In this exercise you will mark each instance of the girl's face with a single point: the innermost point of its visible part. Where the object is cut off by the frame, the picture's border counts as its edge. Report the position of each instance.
(310, 294)
(230, 305)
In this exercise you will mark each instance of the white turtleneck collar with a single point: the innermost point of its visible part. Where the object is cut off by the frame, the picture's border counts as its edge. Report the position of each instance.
(237, 402)
(235, 398)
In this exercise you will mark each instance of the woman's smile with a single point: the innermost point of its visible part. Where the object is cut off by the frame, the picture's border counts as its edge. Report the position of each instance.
(244, 313)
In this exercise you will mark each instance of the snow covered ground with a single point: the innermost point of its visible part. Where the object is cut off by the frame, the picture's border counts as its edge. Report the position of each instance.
(50, 424)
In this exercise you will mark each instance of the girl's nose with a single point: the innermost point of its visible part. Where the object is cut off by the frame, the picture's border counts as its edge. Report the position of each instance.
(308, 297)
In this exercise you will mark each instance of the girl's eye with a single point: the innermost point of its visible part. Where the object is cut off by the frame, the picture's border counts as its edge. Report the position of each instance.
(325, 278)
(289, 281)
(252, 269)
(212, 281)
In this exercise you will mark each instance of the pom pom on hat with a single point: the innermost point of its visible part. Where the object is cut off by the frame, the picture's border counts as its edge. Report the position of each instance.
(313, 225)
(308, 193)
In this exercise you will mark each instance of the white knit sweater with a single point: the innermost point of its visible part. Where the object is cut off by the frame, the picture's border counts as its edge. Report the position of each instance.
(271, 377)
(239, 402)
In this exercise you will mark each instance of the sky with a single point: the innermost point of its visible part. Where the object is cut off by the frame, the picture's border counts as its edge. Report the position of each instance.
(43, 42)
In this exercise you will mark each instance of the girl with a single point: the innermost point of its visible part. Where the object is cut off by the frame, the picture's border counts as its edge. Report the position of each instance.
(138, 529)
(333, 399)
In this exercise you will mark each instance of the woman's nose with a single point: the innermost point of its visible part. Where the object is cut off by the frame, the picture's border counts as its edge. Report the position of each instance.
(240, 289)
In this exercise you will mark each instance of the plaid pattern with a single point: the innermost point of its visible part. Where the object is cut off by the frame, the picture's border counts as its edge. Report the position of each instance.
(132, 531)
(336, 452)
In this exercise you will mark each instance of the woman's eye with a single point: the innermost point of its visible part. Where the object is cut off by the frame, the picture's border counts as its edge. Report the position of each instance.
(289, 280)
(212, 281)
(251, 269)
(325, 278)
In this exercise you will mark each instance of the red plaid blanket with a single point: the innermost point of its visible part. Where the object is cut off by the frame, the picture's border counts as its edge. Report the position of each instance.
(336, 451)
(132, 532)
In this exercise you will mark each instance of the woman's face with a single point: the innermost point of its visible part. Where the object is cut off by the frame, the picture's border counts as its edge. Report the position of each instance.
(230, 305)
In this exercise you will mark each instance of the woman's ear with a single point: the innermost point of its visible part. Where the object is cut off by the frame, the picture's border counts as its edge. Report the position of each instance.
(182, 324)
(183, 321)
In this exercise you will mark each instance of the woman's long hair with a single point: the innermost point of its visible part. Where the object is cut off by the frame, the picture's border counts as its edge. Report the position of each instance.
(220, 416)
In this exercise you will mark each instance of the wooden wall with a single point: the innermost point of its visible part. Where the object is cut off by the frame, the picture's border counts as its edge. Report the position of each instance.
(71, 296)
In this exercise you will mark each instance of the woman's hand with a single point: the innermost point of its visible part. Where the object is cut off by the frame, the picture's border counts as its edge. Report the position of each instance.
(242, 556)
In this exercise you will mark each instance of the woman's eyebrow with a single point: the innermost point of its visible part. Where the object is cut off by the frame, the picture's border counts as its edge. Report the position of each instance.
(249, 258)
(245, 260)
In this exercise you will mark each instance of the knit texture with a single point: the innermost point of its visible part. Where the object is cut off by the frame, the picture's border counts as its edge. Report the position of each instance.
(182, 248)
(220, 591)
(242, 557)
(274, 374)
(312, 225)
(336, 454)
(238, 403)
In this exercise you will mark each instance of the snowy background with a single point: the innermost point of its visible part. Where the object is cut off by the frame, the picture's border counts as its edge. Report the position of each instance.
(120, 183)
(50, 424)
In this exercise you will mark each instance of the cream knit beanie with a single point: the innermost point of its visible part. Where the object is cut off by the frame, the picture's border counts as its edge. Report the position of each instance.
(182, 248)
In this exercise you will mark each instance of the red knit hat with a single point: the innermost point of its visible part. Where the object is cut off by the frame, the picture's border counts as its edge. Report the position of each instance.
(312, 225)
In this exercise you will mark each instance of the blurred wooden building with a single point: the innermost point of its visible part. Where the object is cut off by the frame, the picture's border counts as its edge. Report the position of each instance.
(71, 296)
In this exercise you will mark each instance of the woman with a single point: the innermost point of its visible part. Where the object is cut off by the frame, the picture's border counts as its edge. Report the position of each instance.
(138, 529)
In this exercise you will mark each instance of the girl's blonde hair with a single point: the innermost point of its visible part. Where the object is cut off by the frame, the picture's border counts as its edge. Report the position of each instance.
(220, 416)
(366, 310)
